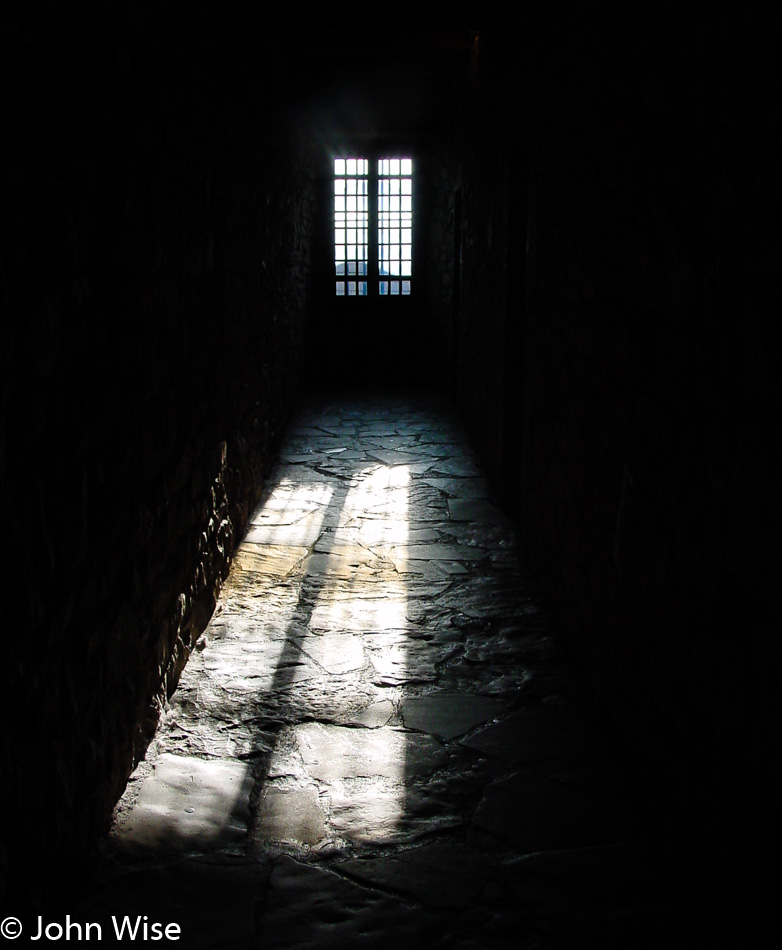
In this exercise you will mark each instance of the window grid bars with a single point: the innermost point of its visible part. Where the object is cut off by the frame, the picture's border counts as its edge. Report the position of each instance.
(351, 225)
(394, 223)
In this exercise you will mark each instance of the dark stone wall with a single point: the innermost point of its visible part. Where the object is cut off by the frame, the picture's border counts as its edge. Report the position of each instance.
(641, 437)
(489, 185)
(156, 225)
(442, 260)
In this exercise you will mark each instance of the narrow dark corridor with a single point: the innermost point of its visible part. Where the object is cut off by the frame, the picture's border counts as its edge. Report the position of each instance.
(387, 472)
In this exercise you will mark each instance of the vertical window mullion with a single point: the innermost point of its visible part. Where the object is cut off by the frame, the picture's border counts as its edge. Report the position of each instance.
(372, 225)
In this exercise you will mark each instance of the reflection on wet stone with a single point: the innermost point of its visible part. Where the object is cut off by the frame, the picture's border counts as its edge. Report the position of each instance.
(376, 718)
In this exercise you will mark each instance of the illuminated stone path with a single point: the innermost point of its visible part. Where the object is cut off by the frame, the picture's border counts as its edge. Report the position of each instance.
(376, 741)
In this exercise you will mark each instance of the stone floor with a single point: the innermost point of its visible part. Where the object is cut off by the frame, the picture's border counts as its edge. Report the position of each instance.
(376, 741)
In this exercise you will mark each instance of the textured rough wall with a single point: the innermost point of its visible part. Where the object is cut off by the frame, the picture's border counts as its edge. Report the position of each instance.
(155, 248)
(645, 489)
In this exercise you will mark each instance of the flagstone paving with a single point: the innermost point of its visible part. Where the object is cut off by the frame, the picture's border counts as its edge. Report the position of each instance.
(376, 739)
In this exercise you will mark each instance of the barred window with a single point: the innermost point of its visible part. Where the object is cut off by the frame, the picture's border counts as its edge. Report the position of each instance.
(383, 192)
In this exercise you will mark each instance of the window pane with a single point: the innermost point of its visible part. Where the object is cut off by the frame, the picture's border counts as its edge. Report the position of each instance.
(395, 222)
(351, 221)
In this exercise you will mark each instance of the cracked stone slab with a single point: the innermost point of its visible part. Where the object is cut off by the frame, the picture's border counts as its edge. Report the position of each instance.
(334, 566)
(443, 552)
(360, 613)
(375, 532)
(189, 803)
(452, 567)
(291, 816)
(475, 510)
(301, 533)
(406, 662)
(332, 753)
(255, 561)
(347, 548)
(258, 667)
(419, 569)
(371, 811)
(535, 732)
(448, 714)
(375, 715)
(336, 652)
(367, 776)
(459, 487)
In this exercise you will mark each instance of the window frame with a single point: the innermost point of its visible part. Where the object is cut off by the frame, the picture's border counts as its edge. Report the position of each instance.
(404, 246)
